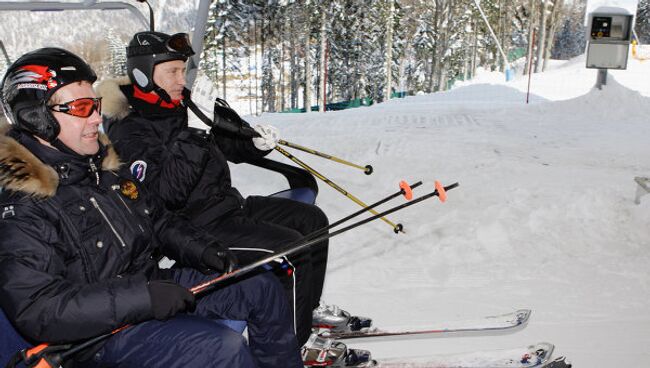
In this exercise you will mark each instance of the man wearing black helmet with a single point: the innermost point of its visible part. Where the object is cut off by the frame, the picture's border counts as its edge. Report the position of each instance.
(80, 243)
(188, 168)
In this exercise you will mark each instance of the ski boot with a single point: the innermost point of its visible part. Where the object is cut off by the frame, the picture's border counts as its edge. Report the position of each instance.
(323, 352)
(334, 319)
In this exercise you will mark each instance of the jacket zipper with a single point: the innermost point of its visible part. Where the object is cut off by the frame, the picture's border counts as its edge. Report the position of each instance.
(127, 207)
(115, 189)
(96, 205)
(93, 169)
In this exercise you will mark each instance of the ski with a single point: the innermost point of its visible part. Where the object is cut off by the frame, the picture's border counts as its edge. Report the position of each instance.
(537, 356)
(503, 323)
(559, 362)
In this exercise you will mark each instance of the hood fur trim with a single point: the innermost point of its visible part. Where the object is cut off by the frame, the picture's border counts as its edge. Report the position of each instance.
(21, 171)
(115, 105)
(112, 161)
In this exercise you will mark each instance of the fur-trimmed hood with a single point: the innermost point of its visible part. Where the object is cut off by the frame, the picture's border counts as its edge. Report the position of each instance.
(115, 104)
(21, 171)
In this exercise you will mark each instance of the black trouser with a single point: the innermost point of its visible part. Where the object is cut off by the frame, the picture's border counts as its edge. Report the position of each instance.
(196, 340)
(267, 224)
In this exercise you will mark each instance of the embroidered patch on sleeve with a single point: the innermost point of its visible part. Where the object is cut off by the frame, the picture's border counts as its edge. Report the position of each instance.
(139, 170)
(129, 189)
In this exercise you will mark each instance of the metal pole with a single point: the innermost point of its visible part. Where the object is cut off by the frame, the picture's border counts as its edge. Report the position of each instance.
(530, 66)
(327, 50)
(197, 41)
(60, 6)
(602, 78)
(4, 52)
(366, 169)
(503, 54)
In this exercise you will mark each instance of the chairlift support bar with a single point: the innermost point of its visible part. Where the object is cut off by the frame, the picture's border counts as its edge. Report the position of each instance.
(4, 53)
(61, 6)
(198, 37)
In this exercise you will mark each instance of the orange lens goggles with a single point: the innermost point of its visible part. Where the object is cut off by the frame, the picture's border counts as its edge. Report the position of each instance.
(81, 107)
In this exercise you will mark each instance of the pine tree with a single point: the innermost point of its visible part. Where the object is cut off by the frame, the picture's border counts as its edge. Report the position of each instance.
(643, 22)
(570, 40)
(343, 49)
(117, 53)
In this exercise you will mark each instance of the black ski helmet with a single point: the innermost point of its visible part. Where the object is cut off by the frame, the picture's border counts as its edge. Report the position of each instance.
(30, 82)
(147, 49)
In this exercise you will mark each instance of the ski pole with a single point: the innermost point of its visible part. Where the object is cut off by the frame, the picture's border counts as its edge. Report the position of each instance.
(396, 227)
(366, 169)
(406, 190)
(440, 192)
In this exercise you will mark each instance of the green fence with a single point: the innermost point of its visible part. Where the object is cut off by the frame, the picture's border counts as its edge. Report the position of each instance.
(336, 106)
(517, 53)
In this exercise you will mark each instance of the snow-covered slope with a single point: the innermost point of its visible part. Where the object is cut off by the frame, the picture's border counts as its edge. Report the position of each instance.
(544, 216)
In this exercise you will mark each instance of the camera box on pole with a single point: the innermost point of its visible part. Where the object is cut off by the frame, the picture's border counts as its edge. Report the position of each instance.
(609, 32)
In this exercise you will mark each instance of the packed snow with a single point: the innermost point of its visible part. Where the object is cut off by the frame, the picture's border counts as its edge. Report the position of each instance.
(544, 217)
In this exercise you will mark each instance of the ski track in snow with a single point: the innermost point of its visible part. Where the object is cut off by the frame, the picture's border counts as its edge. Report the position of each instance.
(544, 216)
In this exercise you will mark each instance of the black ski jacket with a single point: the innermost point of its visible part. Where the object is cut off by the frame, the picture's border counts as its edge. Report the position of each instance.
(79, 242)
(185, 166)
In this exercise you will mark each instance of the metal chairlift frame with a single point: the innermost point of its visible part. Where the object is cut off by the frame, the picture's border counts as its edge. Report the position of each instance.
(82, 5)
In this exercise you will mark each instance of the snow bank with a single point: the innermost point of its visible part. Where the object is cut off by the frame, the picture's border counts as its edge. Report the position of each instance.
(544, 216)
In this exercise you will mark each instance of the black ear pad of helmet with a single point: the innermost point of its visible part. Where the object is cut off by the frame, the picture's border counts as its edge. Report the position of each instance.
(140, 71)
(37, 120)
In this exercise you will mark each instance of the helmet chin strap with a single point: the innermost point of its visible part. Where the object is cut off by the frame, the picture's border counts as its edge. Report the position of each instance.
(164, 96)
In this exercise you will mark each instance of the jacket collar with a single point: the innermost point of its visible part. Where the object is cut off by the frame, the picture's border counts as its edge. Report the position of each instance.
(152, 99)
(120, 97)
(115, 104)
(29, 167)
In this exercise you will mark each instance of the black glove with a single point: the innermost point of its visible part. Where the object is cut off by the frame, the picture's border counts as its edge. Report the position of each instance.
(227, 119)
(169, 298)
(218, 259)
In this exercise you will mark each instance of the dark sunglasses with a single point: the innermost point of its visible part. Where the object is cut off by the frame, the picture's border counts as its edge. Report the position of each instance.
(81, 107)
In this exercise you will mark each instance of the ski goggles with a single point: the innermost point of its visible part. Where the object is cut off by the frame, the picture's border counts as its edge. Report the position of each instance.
(178, 43)
(80, 107)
